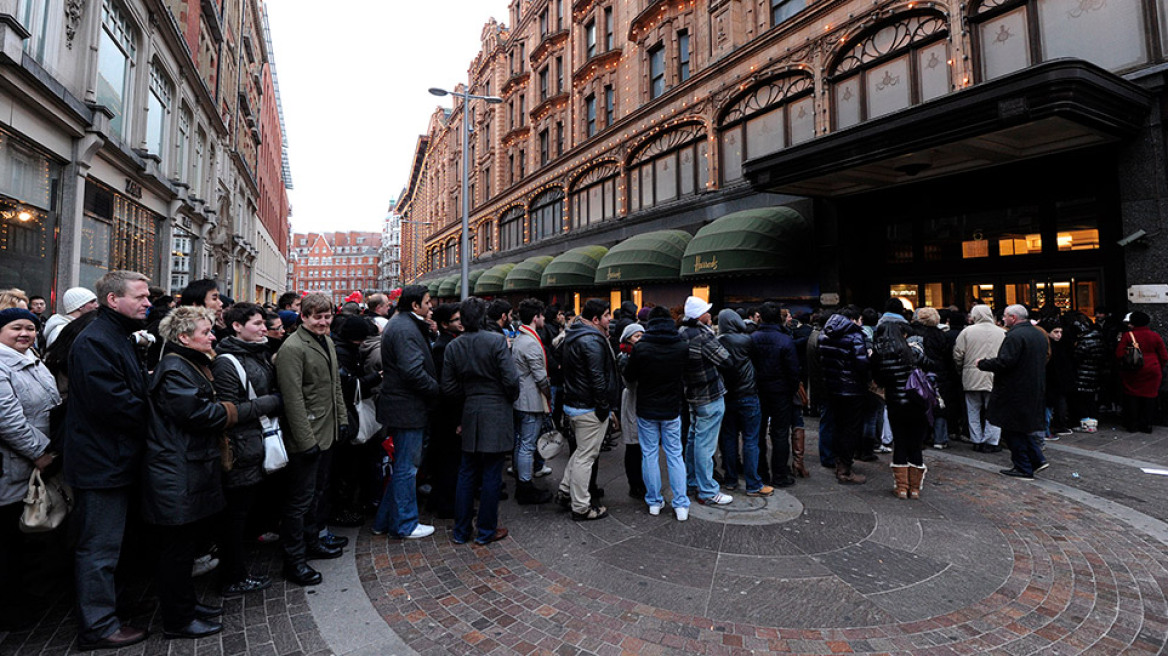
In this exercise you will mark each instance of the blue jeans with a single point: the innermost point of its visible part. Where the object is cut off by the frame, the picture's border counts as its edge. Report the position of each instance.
(826, 427)
(1025, 451)
(742, 415)
(940, 427)
(488, 466)
(398, 512)
(527, 428)
(705, 422)
(665, 436)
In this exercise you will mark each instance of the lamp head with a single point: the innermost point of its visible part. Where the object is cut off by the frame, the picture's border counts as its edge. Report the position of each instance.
(435, 91)
(493, 100)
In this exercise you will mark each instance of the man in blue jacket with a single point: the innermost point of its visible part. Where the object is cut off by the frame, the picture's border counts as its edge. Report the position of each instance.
(409, 389)
(776, 363)
(843, 356)
(105, 436)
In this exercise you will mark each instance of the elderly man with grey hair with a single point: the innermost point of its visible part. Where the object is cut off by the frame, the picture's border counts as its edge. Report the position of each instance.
(1017, 400)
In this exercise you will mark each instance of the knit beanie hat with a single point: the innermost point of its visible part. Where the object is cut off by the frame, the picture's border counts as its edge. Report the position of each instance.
(76, 297)
(16, 314)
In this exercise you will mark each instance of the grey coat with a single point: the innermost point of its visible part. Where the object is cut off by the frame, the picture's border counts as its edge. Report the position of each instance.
(27, 394)
(478, 369)
(409, 384)
(531, 363)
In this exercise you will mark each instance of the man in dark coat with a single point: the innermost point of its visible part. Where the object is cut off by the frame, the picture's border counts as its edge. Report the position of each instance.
(480, 371)
(104, 437)
(843, 355)
(1017, 402)
(409, 389)
(776, 363)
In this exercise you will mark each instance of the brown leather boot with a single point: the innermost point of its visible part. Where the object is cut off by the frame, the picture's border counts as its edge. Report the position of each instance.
(798, 444)
(916, 476)
(900, 475)
(845, 476)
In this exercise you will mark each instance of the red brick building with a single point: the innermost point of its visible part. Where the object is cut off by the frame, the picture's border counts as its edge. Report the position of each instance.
(334, 263)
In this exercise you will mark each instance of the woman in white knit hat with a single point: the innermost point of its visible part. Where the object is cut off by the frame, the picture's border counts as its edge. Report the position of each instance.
(76, 302)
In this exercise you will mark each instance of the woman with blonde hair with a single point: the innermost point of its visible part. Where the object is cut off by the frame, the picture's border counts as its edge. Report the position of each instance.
(13, 298)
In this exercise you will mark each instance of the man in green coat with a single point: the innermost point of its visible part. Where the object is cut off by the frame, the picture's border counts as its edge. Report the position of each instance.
(306, 369)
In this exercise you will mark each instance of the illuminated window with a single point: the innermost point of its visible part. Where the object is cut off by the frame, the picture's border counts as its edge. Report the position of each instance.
(1078, 240)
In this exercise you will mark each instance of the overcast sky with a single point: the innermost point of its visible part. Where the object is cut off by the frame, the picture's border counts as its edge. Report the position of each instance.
(353, 78)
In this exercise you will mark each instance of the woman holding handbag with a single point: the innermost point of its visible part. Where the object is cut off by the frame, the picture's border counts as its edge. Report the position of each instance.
(27, 394)
(1141, 385)
(184, 457)
(243, 371)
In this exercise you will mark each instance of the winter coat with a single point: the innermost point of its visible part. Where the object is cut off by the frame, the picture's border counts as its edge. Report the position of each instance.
(1090, 361)
(705, 364)
(776, 361)
(53, 327)
(409, 386)
(1060, 372)
(109, 409)
(892, 364)
(370, 353)
(843, 356)
(628, 407)
(936, 350)
(621, 319)
(656, 367)
(815, 367)
(531, 363)
(982, 339)
(547, 335)
(590, 380)
(479, 370)
(353, 375)
(1018, 400)
(314, 410)
(182, 462)
(27, 394)
(738, 374)
(1143, 382)
(246, 437)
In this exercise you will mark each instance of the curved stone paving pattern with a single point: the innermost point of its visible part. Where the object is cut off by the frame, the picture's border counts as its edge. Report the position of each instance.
(981, 565)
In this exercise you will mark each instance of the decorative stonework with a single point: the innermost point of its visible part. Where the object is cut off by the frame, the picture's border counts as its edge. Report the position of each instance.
(73, 12)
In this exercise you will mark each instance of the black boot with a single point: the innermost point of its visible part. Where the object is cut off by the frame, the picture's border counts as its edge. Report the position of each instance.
(527, 494)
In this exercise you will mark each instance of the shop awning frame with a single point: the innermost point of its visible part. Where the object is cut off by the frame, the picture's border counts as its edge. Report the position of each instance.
(573, 269)
(491, 282)
(763, 240)
(644, 258)
(527, 274)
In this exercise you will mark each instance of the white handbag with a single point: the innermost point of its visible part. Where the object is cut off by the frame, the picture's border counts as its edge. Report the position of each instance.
(47, 503)
(366, 417)
(275, 453)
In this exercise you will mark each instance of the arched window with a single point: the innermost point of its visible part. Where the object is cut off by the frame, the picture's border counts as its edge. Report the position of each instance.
(511, 229)
(547, 214)
(451, 252)
(778, 114)
(898, 65)
(672, 166)
(594, 195)
(483, 237)
(1014, 34)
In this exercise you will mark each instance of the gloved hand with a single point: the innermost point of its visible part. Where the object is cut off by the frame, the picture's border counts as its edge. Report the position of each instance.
(309, 453)
(269, 404)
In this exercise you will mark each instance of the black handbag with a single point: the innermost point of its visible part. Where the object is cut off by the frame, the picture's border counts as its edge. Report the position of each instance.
(1133, 356)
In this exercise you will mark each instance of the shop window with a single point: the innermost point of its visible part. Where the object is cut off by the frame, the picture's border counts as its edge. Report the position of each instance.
(1109, 34)
(115, 54)
(182, 244)
(781, 10)
(594, 196)
(547, 214)
(483, 236)
(891, 68)
(672, 166)
(123, 235)
(451, 252)
(1013, 232)
(511, 229)
(773, 116)
(908, 295)
(900, 243)
(1077, 224)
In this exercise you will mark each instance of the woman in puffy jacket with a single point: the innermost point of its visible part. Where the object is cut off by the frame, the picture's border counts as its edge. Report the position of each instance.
(245, 350)
(182, 485)
(1090, 353)
(1141, 387)
(896, 352)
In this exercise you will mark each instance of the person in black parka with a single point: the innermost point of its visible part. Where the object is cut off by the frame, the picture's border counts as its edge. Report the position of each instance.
(1017, 402)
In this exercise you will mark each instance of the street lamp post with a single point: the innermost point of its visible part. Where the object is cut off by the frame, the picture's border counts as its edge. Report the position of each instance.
(466, 98)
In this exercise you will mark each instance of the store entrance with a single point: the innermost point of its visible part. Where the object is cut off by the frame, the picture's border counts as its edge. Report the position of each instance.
(1071, 292)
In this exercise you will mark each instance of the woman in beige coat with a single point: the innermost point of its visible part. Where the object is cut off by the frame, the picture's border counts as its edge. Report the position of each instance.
(981, 340)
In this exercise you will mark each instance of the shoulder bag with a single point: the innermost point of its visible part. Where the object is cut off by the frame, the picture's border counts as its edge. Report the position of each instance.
(367, 425)
(46, 504)
(1133, 356)
(275, 453)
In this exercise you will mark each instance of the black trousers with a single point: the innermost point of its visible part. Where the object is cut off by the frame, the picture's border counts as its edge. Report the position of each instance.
(303, 502)
(633, 466)
(1138, 413)
(775, 422)
(175, 587)
(909, 428)
(233, 537)
(13, 556)
(848, 416)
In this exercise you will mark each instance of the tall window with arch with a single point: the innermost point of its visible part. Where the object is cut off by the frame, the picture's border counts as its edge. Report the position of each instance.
(511, 229)
(775, 115)
(671, 166)
(594, 195)
(892, 67)
(547, 214)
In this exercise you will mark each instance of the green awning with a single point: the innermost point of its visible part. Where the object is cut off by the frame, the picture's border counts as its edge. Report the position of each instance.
(474, 279)
(432, 286)
(450, 287)
(648, 257)
(527, 274)
(752, 241)
(492, 280)
(573, 269)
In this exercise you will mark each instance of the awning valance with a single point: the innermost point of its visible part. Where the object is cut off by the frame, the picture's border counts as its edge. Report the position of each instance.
(492, 280)
(752, 241)
(450, 286)
(574, 268)
(649, 257)
(526, 275)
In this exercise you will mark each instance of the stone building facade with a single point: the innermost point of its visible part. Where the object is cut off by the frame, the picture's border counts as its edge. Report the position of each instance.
(941, 150)
(132, 139)
(334, 263)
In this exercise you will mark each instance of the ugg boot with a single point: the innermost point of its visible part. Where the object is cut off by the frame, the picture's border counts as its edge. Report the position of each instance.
(798, 444)
(900, 477)
(846, 476)
(916, 477)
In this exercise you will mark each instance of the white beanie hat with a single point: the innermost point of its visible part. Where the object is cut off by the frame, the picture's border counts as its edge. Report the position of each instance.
(76, 297)
(696, 307)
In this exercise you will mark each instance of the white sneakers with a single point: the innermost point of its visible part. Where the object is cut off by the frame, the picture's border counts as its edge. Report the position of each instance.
(542, 472)
(719, 499)
(422, 531)
(204, 564)
(682, 513)
(654, 510)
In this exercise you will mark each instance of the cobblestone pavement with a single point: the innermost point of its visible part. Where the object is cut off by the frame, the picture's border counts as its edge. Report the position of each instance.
(982, 564)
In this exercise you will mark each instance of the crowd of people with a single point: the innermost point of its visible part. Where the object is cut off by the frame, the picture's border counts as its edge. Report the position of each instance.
(197, 426)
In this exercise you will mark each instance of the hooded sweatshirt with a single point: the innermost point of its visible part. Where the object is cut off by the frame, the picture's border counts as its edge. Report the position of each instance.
(738, 374)
(843, 355)
(979, 341)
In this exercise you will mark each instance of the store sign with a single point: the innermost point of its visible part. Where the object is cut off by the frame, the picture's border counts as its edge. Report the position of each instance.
(1148, 293)
(551, 280)
(614, 274)
(830, 299)
(709, 265)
